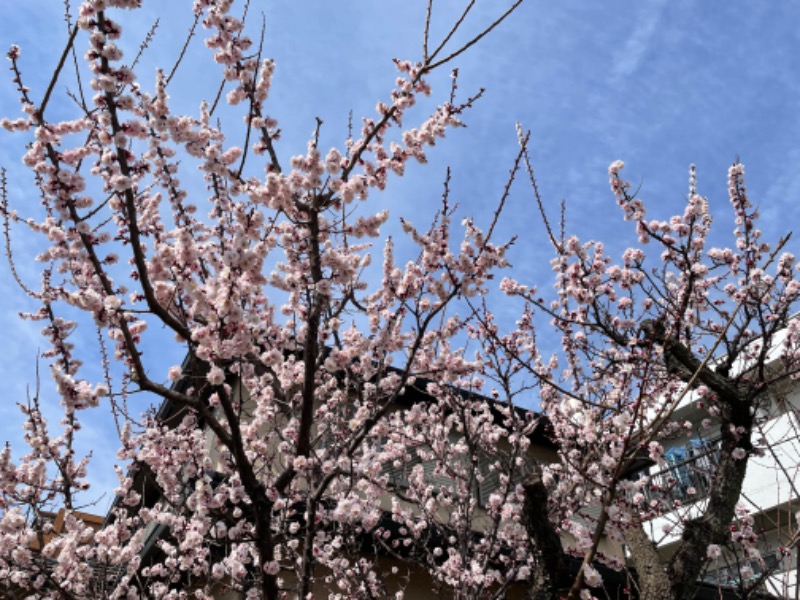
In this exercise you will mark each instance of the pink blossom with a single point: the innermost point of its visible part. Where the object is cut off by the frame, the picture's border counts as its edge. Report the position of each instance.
(592, 577)
(216, 376)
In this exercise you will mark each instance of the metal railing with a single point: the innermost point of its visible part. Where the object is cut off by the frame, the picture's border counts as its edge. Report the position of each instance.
(689, 476)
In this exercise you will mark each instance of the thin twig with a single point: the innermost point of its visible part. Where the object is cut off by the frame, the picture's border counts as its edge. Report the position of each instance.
(453, 29)
(147, 39)
(182, 53)
(217, 98)
(80, 95)
(524, 138)
(7, 217)
(251, 112)
(476, 39)
(426, 35)
(56, 73)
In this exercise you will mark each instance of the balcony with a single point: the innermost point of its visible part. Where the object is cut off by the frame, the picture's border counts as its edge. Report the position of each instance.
(689, 475)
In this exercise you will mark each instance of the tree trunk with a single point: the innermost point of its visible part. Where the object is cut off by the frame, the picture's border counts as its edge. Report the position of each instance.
(654, 584)
(551, 574)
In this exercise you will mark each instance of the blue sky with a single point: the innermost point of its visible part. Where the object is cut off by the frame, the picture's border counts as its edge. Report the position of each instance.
(657, 84)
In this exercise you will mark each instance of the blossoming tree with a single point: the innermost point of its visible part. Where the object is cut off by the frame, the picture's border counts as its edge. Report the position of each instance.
(324, 435)
(274, 469)
(710, 328)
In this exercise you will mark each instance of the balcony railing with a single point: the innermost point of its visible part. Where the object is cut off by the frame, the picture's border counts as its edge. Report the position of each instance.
(689, 475)
(731, 573)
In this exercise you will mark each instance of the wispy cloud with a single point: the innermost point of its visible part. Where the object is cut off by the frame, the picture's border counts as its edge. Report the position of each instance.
(657, 84)
(630, 56)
